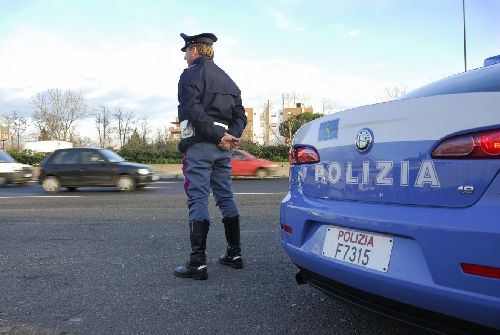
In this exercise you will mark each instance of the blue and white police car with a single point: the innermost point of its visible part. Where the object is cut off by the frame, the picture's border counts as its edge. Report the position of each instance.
(394, 206)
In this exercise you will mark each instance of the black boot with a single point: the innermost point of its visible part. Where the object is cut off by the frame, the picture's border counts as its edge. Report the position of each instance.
(232, 257)
(196, 267)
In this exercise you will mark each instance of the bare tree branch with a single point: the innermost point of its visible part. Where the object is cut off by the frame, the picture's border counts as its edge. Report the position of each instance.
(103, 122)
(125, 123)
(393, 92)
(145, 130)
(56, 112)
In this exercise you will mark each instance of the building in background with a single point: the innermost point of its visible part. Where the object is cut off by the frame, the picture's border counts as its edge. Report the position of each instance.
(248, 133)
(174, 131)
(298, 109)
(271, 121)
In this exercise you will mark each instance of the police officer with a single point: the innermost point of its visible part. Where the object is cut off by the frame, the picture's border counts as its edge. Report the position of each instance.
(212, 119)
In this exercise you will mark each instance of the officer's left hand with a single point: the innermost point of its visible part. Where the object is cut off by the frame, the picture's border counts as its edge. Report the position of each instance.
(228, 142)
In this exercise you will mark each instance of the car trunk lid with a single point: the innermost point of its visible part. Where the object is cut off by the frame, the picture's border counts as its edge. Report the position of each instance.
(397, 166)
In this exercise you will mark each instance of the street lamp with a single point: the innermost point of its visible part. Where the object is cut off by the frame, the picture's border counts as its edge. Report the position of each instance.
(465, 40)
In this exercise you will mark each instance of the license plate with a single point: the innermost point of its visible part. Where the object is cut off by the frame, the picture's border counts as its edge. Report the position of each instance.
(155, 177)
(368, 250)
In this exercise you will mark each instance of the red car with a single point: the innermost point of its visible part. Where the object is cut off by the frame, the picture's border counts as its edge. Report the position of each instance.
(246, 164)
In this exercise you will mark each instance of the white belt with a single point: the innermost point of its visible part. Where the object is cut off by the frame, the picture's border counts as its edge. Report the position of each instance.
(222, 125)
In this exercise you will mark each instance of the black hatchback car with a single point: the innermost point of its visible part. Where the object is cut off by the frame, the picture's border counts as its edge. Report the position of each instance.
(83, 167)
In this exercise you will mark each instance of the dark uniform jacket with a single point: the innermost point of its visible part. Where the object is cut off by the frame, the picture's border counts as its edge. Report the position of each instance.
(206, 95)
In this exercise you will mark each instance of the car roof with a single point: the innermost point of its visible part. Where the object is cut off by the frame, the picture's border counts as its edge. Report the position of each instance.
(484, 79)
(80, 148)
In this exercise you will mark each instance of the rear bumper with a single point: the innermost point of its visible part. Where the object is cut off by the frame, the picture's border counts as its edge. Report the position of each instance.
(403, 312)
(475, 308)
(430, 243)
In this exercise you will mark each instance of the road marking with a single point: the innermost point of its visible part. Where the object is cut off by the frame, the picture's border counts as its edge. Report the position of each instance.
(168, 182)
(43, 196)
(258, 193)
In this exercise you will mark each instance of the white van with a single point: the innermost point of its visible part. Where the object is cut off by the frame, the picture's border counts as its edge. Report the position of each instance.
(12, 172)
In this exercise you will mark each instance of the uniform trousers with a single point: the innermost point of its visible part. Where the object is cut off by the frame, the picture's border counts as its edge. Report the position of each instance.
(207, 169)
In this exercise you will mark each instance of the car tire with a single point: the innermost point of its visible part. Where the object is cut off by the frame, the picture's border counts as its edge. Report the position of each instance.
(261, 173)
(51, 184)
(125, 183)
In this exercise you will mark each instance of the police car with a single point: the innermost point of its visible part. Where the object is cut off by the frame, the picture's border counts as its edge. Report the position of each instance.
(394, 206)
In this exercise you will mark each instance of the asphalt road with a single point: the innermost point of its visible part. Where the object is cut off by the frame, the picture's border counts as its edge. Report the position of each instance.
(98, 261)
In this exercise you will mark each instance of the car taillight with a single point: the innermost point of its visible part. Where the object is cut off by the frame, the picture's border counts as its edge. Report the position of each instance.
(490, 142)
(40, 170)
(477, 145)
(303, 155)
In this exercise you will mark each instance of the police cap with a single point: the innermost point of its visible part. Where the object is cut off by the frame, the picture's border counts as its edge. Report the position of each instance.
(207, 38)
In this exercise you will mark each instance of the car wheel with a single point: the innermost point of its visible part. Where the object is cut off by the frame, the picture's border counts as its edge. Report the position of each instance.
(3, 181)
(125, 183)
(71, 189)
(51, 184)
(261, 173)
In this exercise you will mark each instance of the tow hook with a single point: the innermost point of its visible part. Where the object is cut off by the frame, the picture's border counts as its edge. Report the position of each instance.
(300, 279)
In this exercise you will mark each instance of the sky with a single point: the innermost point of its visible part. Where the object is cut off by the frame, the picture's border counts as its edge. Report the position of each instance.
(337, 54)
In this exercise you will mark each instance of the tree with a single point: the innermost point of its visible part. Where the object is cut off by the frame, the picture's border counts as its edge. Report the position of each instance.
(292, 99)
(329, 107)
(145, 130)
(161, 137)
(102, 119)
(289, 127)
(393, 92)
(125, 123)
(43, 135)
(81, 141)
(56, 113)
(135, 140)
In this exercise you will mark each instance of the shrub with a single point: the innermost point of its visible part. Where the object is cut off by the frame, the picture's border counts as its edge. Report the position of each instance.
(275, 153)
(29, 157)
(152, 154)
(164, 153)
